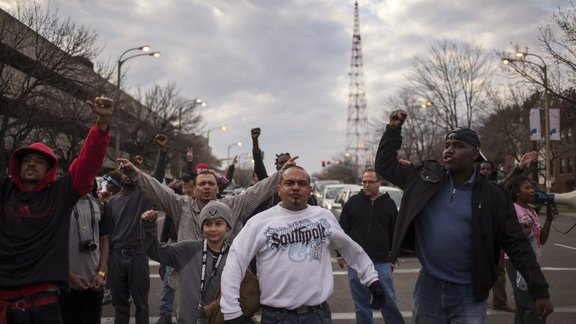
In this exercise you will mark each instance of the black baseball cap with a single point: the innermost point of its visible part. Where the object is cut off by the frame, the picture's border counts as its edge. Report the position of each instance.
(469, 136)
(115, 178)
(187, 176)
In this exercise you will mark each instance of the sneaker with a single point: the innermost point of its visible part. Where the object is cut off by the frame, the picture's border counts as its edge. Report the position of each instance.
(504, 308)
(107, 296)
(165, 319)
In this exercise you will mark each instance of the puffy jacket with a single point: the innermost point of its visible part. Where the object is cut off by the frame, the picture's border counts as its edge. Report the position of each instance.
(494, 221)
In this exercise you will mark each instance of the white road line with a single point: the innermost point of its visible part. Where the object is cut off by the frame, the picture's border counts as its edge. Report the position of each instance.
(565, 246)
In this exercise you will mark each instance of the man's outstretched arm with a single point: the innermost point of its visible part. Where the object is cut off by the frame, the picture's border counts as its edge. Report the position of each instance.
(91, 158)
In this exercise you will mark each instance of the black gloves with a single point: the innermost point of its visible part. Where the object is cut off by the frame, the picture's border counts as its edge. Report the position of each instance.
(237, 320)
(378, 296)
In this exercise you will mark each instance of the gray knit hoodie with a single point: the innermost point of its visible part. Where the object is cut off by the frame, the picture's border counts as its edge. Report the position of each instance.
(186, 258)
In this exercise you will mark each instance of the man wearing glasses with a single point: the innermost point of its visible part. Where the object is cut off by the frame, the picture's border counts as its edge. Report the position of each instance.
(369, 218)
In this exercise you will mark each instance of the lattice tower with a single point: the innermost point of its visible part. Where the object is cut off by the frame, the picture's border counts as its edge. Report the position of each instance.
(357, 122)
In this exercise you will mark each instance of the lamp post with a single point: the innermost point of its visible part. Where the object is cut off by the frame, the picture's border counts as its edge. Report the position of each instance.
(191, 104)
(121, 60)
(222, 128)
(229, 146)
(521, 58)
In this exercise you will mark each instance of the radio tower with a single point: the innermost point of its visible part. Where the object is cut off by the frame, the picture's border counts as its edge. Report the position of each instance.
(356, 124)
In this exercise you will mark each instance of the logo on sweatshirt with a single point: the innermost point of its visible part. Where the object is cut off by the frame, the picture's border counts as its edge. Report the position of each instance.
(302, 239)
(24, 213)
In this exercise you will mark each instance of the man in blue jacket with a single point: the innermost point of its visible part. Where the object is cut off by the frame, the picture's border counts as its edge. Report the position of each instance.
(460, 221)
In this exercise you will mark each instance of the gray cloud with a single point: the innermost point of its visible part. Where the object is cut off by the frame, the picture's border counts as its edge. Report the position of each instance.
(282, 65)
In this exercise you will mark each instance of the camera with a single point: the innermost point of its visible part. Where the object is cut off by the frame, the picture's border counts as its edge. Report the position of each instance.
(88, 246)
(541, 197)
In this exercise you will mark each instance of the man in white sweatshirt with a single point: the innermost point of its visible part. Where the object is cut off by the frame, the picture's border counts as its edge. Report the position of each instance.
(290, 242)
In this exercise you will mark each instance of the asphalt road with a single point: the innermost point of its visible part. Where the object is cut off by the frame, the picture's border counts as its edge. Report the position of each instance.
(558, 262)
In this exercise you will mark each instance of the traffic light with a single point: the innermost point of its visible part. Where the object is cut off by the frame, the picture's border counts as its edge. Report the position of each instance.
(323, 163)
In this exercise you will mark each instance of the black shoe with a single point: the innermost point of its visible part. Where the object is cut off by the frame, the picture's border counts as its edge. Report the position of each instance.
(165, 319)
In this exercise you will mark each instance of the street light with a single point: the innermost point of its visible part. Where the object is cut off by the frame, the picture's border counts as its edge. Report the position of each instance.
(191, 104)
(229, 146)
(521, 58)
(222, 128)
(427, 104)
(121, 60)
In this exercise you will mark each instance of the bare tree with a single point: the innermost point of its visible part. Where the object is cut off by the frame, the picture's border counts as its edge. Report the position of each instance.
(42, 56)
(456, 76)
(422, 133)
(558, 43)
(506, 131)
(164, 110)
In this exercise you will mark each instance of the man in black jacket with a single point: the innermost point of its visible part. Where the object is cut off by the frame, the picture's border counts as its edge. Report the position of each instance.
(369, 218)
(459, 221)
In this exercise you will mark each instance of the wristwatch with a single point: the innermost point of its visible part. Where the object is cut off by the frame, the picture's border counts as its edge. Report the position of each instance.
(102, 274)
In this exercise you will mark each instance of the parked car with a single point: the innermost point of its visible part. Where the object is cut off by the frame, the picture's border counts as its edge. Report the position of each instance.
(395, 194)
(342, 197)
(318, 188)
(330, 191)
(345, 193)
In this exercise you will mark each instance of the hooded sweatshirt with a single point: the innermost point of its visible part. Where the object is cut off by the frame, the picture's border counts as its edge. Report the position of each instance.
(35, 223)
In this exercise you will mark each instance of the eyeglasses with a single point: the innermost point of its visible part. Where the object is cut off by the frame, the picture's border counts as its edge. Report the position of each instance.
(368, 182)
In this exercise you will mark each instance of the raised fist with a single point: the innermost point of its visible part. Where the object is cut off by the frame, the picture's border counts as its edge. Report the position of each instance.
(255, 132)
(102, 106)
(397, 118)
(189, 154)
(138, 160)
(161, 140)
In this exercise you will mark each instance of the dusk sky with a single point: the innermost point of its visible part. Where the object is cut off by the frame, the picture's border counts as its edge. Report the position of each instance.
(283, 65)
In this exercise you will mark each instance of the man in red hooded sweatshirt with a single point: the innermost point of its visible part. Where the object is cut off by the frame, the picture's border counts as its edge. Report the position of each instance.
(35, 210)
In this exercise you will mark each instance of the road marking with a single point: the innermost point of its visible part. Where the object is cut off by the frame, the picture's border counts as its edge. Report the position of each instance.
(565, 246)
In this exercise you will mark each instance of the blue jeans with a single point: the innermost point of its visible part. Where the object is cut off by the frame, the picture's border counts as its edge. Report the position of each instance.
(439, 302)
(272, 316)
(362, 296)
(167, 297)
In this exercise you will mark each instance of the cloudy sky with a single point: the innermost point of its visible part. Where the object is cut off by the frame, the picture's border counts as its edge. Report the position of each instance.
(283, 65)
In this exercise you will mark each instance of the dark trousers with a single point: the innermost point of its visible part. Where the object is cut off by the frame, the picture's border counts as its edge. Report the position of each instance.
(48, 314)
(129, 276)
(81, 307)
(525, 311)
(499, 298)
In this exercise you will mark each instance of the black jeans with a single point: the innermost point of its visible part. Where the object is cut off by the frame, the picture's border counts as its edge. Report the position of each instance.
(129, 276)
(81, 307)
(48, 314)
(525, 312)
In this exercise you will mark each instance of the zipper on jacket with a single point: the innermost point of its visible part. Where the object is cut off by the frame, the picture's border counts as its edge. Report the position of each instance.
(452, 197)
(370, 220)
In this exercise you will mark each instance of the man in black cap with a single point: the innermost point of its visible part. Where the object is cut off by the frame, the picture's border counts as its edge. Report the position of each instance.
(457, 222)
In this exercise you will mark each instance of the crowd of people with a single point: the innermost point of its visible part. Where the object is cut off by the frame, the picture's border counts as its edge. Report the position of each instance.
(61, 245)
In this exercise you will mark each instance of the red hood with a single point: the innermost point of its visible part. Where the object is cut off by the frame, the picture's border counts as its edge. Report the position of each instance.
(16, 162)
